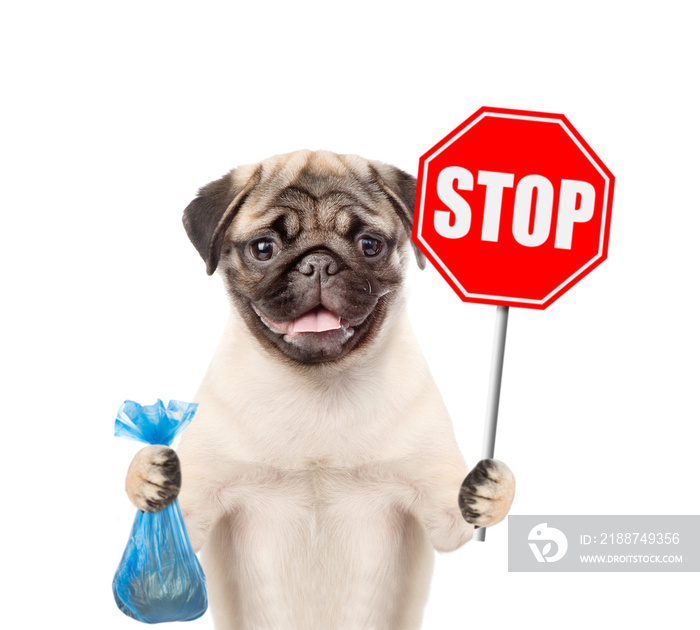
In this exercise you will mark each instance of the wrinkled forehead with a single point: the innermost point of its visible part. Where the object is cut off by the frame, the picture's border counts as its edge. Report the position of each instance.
(315, 191)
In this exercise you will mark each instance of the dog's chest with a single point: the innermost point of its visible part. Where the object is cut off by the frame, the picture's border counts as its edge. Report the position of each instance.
(316, 498)
(342, 530)
(321, 514)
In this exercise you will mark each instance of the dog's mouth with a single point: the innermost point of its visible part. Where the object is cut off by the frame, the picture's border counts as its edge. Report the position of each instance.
(319, 321)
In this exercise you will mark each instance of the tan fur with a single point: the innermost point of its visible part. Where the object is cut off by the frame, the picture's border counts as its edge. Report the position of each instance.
(317, 494)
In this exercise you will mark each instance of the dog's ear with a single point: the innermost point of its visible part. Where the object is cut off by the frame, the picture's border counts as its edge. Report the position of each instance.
(400, 188)
(211, 212)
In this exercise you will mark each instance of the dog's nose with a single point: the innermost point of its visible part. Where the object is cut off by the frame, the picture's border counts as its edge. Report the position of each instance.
(318, 264)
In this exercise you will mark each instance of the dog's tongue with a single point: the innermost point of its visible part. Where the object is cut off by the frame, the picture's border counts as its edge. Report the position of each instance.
(318, 320)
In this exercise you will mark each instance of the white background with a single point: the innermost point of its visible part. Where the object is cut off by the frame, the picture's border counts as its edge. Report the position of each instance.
(114, 114)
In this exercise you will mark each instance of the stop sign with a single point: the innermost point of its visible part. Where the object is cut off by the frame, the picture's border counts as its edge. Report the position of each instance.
(513, 207)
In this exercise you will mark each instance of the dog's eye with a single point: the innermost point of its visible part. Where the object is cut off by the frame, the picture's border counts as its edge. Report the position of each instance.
(263, 249)
(369, 246)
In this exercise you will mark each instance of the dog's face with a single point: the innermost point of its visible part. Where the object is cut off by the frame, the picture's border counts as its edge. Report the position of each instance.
(313, 248)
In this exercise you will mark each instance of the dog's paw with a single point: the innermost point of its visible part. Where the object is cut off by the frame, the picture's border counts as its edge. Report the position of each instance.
(153, 479)
(487, 493)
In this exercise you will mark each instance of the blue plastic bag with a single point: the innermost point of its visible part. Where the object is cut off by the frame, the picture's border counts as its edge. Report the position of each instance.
(159, 577)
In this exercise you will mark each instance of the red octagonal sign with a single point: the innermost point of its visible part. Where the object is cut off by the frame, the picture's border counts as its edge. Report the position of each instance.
(513, 207)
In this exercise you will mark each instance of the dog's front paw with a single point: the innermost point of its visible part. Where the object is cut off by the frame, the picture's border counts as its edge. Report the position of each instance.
(153, 479)
(487, 493)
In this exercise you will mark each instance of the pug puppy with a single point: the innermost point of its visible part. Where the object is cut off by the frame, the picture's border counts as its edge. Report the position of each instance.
(321, 469)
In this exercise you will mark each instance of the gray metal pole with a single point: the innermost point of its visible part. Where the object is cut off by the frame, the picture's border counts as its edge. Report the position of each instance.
(499, 348)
